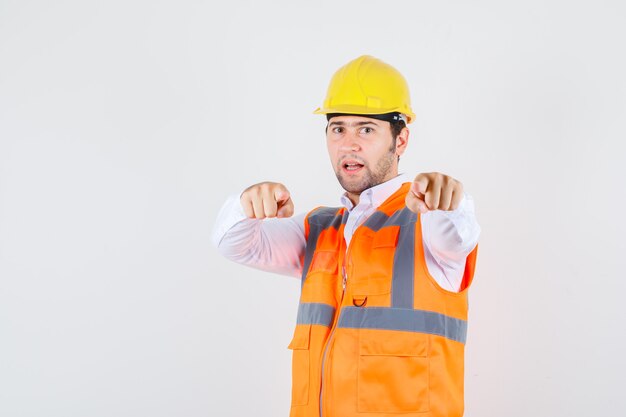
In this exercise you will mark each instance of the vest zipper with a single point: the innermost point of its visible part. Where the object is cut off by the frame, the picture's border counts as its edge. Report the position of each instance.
(344, 282)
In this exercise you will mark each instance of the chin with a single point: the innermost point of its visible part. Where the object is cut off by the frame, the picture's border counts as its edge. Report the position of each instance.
(353, 187)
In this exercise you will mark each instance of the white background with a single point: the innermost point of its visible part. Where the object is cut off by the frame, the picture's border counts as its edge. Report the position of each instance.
(125, 124)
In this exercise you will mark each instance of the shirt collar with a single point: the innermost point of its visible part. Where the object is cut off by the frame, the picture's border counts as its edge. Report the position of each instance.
(375, 195)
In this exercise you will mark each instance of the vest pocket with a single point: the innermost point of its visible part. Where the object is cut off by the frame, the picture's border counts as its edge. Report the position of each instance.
(300, 366)
(393, 372)
(324, 261)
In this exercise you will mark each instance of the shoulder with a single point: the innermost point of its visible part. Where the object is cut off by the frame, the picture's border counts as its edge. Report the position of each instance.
(324, 216)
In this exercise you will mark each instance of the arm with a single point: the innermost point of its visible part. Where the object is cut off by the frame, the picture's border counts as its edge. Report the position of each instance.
(270, 244)
(449, 227)
(449, 236)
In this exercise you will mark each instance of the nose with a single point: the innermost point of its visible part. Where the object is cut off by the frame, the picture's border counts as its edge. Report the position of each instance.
(350, 143)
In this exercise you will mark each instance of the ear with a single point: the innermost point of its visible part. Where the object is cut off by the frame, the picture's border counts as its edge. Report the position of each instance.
(402, 141)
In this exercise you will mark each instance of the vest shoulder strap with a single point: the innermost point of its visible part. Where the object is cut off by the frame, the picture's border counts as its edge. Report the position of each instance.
(324, 216)
(316, 221)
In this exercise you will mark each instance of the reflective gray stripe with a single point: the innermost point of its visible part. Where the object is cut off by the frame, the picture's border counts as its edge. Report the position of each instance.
(378, 219)
(344, 219)
(315, 313)
(337, 220)
(326, 217)
(403, 217)
(404, 256)
(319, 220)
(403, 275)
(419, 321)
(311, 243)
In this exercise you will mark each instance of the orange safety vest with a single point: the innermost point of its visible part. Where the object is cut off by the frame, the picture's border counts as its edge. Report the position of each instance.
(375, 335)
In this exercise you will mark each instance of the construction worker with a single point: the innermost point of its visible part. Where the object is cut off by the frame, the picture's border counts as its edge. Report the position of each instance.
(382, 319)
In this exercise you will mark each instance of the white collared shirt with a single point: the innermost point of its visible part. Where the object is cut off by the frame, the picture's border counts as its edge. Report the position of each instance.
(277, 245)
(369, 201)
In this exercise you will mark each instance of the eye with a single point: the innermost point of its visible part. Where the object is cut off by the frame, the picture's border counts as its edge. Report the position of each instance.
(337, 129)
(367, 130)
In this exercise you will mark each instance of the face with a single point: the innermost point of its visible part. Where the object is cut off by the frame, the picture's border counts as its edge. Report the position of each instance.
(362, 152)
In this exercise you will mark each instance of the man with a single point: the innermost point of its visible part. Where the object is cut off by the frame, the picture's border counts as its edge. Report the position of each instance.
(381, 323)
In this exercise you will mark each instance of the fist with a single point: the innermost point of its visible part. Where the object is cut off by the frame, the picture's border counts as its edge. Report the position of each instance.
(266, 199)
(434, 191)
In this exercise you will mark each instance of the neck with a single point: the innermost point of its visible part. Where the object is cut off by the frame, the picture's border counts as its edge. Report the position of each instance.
(354, 197)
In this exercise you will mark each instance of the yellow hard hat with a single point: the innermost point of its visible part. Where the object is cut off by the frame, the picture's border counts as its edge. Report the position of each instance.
(365, 86)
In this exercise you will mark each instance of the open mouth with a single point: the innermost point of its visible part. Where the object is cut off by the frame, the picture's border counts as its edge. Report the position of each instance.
(351, 166)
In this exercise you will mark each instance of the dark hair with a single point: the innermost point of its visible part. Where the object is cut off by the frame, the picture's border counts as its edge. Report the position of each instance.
(396, 124)
(396, 128)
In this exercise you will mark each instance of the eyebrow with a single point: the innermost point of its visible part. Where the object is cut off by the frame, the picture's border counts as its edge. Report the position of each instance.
(353, 124)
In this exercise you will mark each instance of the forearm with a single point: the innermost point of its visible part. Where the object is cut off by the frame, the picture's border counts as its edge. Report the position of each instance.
(274, 245)
(450, 236)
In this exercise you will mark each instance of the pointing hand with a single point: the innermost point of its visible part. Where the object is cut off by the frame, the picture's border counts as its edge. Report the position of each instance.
(267, 199)
(434, 191)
